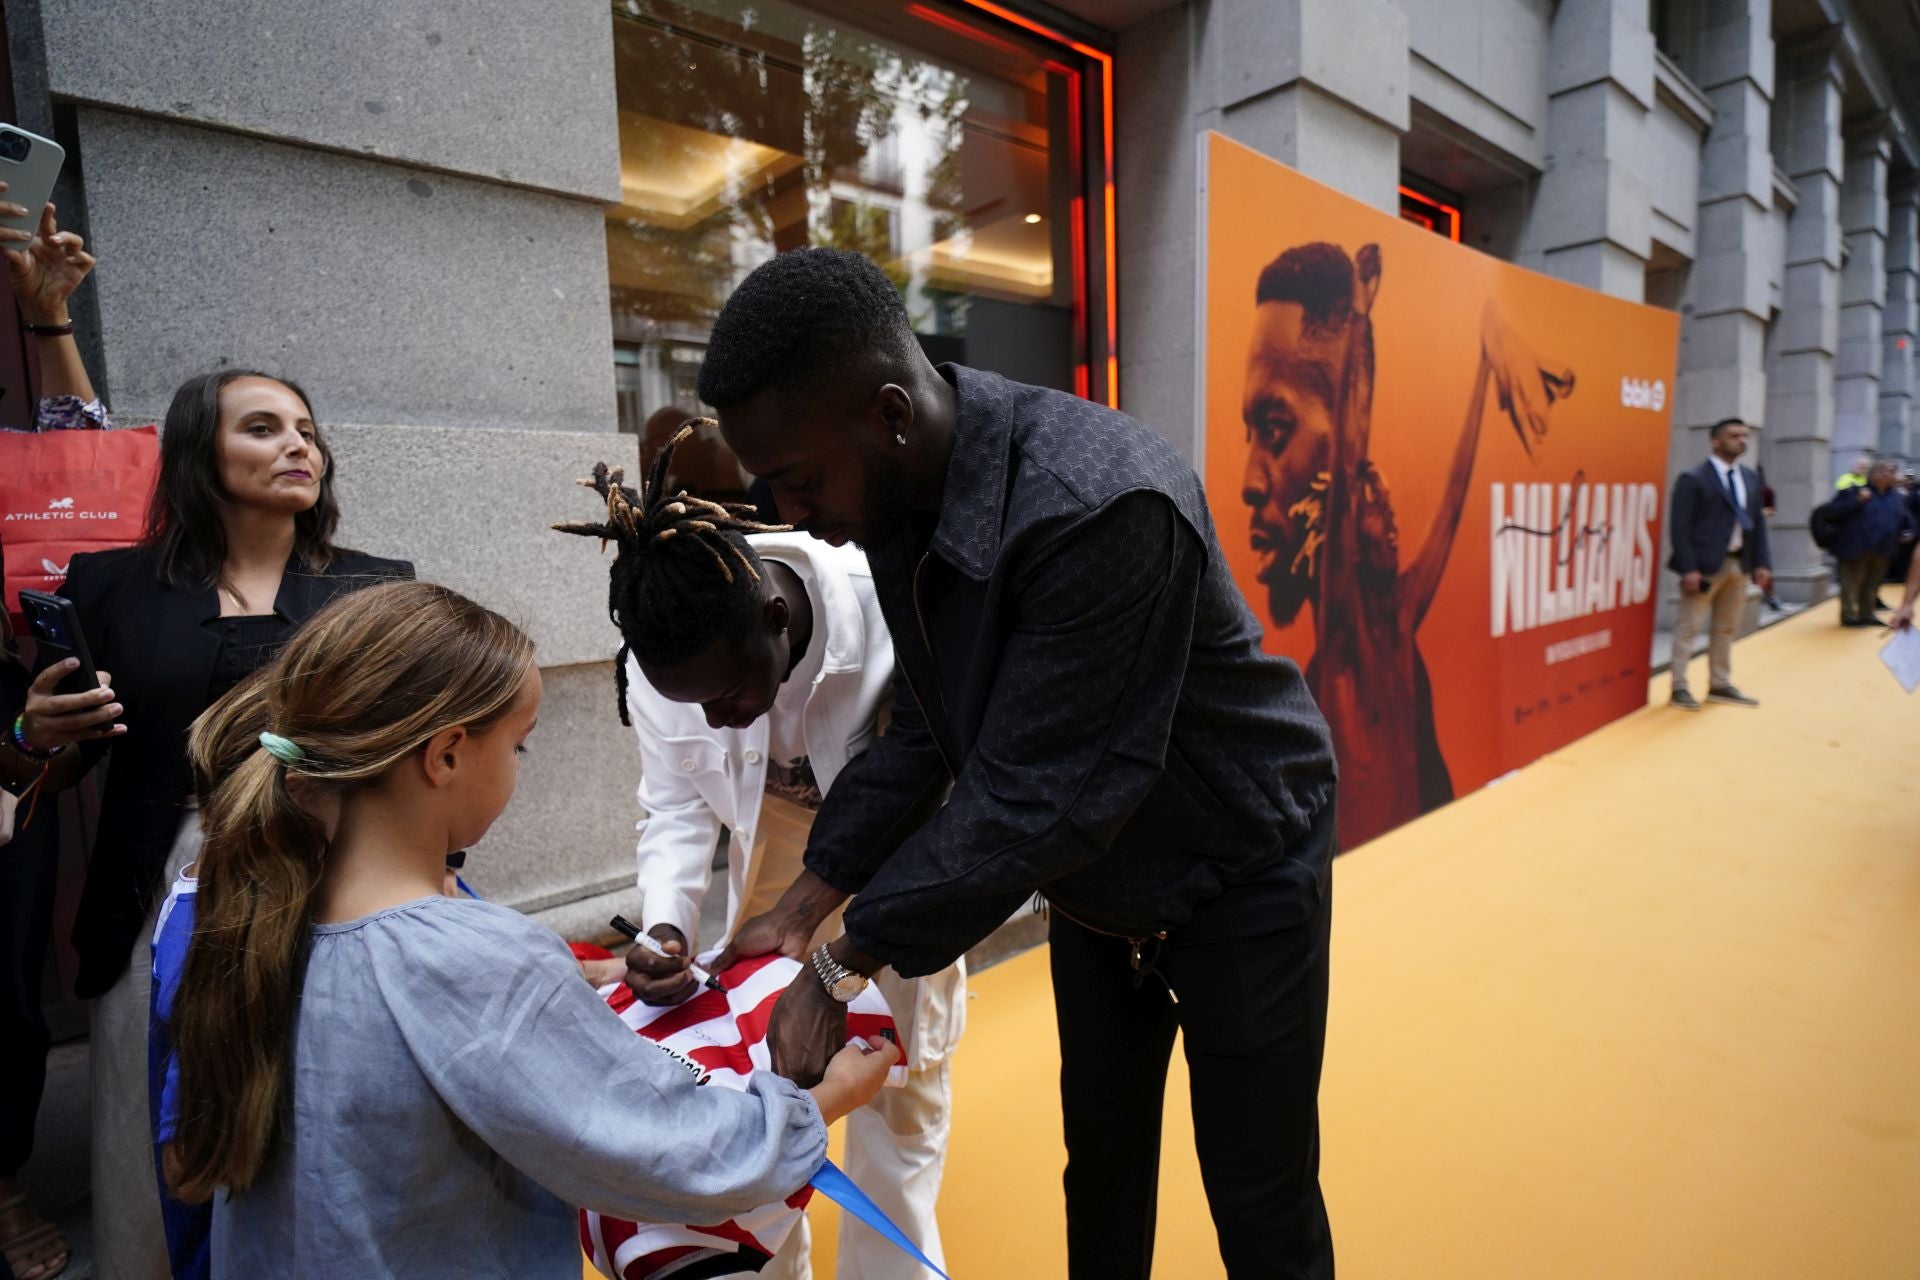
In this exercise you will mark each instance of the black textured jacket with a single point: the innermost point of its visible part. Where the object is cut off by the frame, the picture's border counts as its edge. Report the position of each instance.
(150, 637)
(1075, 657)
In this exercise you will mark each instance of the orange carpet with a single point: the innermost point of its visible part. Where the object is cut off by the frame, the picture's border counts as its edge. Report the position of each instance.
(1649, 1008)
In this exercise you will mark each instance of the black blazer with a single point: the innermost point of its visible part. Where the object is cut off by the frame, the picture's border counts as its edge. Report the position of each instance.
(1130, 778)
(151, 638)
(1702, 523)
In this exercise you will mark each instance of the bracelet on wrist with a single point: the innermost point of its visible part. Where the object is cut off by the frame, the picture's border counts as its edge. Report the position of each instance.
(18, 737)
(62, 329)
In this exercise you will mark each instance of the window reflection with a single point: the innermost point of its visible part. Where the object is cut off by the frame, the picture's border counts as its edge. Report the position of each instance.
(941, 148)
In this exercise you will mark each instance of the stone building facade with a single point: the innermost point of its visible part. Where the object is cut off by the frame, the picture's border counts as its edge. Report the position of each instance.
(406, 204)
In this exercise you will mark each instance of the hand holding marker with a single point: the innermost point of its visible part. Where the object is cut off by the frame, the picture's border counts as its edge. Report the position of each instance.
(632, 931)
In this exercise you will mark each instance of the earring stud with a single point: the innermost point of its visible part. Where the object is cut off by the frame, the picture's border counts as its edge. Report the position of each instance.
(900, 437)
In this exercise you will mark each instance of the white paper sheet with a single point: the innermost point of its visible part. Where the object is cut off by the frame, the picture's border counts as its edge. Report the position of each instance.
(1902, 656)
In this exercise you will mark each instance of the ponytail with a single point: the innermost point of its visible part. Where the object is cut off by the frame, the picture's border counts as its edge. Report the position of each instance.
(233, 1019)
(360, 687)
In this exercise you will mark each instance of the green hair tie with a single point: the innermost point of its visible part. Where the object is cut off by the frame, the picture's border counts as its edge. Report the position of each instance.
(285, 750)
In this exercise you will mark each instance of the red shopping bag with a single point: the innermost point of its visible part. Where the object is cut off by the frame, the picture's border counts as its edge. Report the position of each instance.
(68, 491)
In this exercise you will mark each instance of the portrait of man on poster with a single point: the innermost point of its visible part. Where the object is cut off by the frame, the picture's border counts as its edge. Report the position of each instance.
(1323, 525)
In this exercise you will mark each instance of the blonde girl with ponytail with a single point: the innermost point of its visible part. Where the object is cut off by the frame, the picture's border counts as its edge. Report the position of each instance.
(377, 1080)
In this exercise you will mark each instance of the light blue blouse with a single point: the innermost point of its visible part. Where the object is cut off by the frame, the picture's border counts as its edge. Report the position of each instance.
(458, 1089)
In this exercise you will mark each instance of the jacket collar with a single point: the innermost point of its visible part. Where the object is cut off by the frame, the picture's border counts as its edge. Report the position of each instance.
(303, 590)
(973, 503)
(838, 617)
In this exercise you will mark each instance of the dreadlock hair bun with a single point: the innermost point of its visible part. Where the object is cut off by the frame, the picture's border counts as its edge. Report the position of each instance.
(683, 574)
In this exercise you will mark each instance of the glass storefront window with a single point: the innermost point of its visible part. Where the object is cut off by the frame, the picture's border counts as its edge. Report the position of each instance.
(944, 145)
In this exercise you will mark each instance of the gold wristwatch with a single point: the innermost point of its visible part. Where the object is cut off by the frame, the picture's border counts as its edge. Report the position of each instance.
(842, 983)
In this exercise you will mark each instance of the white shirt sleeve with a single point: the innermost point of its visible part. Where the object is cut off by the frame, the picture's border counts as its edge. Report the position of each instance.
(678, 830)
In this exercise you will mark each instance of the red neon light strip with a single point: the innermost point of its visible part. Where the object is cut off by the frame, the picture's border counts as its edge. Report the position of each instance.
(1453, 214)
(970, 32)
(1106, 133)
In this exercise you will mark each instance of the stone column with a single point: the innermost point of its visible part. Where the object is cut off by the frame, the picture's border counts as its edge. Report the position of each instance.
(1590, 219)
(1899, 323)
(1723, 331)
(1863, 293)
(1807, 336)
(1317, 84)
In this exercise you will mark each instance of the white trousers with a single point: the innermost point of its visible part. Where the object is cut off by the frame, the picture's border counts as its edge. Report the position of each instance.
(896, 1144)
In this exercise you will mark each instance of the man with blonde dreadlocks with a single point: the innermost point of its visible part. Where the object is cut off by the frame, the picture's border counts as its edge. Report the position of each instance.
(754, 664)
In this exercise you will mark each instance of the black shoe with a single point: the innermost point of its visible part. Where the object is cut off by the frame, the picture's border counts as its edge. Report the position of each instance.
(1861, 622)
(1684, 701)
(1733, 697)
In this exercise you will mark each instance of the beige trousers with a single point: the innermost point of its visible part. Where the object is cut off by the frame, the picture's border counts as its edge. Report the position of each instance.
(1718, 608)
(129, 1242)
(897, 1144)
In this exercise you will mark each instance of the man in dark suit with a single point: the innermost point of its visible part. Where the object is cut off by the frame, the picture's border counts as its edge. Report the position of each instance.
(1719, 539)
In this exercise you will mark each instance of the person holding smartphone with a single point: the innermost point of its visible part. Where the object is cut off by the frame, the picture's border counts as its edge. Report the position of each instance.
(43, 269)
(238, 552)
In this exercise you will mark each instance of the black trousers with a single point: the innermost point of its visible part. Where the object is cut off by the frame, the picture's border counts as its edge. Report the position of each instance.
(29, 871)
(1250, 975)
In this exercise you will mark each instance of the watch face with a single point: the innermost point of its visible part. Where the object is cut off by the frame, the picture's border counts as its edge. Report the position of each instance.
(847, 987)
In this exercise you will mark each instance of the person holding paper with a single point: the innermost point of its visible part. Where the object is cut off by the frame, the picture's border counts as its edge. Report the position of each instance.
(1903, 616)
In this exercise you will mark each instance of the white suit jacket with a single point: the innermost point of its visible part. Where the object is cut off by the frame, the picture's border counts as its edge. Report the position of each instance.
(695, 780)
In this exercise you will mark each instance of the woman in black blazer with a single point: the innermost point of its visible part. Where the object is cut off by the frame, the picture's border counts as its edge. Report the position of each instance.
(238, 553)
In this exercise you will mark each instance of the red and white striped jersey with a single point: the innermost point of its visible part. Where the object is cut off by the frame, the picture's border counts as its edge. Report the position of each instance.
(720, 1037)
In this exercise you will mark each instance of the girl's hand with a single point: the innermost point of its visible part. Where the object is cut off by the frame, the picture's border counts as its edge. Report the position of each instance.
(603, 973)
(62, 719)
(854, 1075)
(44, 269)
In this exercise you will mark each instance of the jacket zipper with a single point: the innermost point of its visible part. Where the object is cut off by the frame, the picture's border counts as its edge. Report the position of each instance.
(927, 644)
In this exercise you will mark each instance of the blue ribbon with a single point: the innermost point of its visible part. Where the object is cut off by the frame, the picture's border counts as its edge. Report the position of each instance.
(832, 1182)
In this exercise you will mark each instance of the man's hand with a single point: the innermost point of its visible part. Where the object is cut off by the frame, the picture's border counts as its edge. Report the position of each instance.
(1690, 582)
(788, 928)
(774, 933)
(1763, 579)
(661, 979)
(1526, 387)
(807, 1028)
(44, 269)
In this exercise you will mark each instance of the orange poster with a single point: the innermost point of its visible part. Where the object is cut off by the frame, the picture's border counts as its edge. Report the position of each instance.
(1437, 478)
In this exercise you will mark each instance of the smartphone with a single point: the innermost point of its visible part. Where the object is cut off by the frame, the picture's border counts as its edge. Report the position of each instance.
(56, 625)
(28, 165)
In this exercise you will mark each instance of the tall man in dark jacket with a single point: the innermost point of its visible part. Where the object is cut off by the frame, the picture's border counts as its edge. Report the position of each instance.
(1875, 521)
(1077, 665)
(1719, 537)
